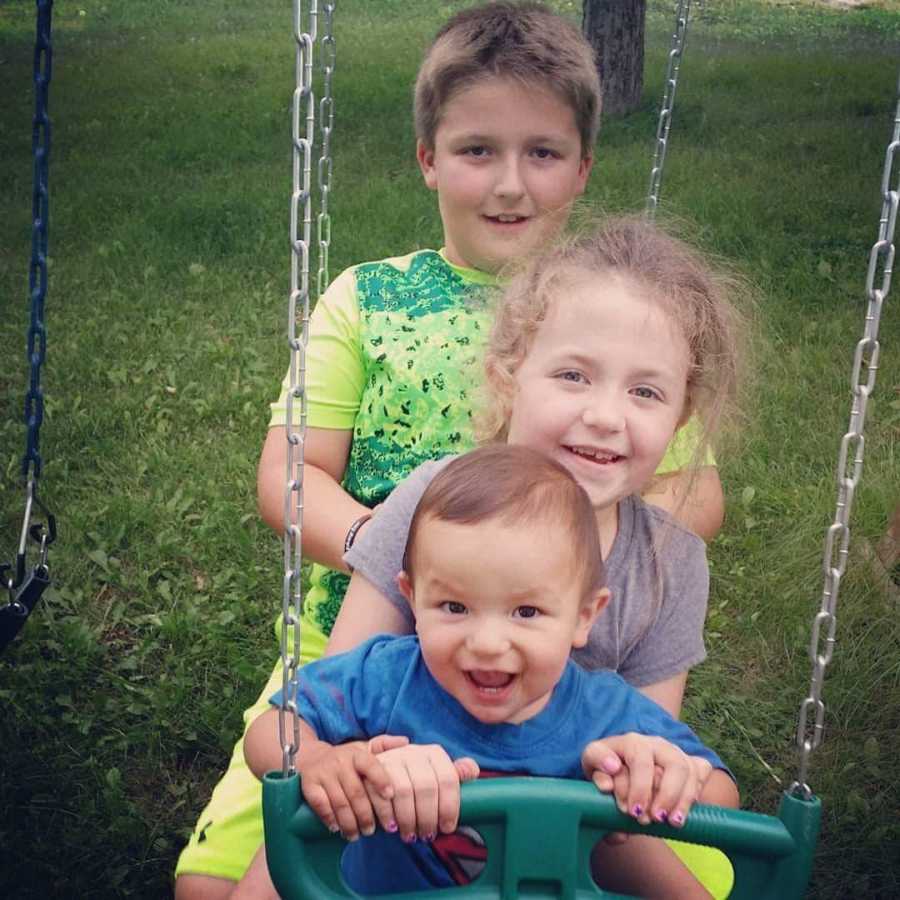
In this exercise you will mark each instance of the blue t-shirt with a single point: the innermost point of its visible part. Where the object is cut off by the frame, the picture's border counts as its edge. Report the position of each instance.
(384, 687)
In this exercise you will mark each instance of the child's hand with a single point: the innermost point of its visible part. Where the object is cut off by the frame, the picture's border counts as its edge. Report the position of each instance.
(652, 779)
(337, 782)
(425, 790)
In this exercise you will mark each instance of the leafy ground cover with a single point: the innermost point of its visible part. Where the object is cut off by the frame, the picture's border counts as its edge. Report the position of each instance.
(169, 273)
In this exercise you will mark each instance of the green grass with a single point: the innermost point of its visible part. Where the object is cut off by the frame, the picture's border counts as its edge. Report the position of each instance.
(170, 175)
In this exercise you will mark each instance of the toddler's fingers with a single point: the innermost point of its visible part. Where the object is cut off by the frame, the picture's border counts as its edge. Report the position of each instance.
(430, 773)
(403, 802)
(602, 781)
(447, 778)
(601, 755)
(466, 768)
(382, 742)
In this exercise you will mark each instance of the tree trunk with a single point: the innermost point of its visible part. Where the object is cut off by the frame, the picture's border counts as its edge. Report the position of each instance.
(615, 29)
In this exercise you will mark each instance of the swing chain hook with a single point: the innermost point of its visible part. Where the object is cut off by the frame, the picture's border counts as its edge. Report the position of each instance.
(811, 725)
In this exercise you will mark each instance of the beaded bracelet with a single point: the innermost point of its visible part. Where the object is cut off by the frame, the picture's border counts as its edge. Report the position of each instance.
(352, 532)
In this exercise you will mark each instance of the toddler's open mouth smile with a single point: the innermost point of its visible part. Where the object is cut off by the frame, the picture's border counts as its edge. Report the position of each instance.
(490, 684)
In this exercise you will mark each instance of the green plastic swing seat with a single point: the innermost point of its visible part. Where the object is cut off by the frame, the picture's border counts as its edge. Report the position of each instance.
(539, 833)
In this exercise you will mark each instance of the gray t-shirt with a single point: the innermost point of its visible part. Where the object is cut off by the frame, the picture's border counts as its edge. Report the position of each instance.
(657, 574)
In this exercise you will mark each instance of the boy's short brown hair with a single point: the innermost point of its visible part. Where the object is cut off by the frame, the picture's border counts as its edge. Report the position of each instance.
(514, 485)
(525, 41)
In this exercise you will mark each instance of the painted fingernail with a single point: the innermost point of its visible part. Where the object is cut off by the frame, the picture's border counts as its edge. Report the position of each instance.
(391, 827)
(661, 815)
(430, 836)
(678, 818)
(637, 809)
(408, 838)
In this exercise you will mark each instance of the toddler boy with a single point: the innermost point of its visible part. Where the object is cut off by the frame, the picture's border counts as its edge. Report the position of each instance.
(504, 576)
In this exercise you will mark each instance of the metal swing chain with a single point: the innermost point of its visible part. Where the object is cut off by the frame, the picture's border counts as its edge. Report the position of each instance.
(306, 21)
(21, 603)
(326, 124)
(682, 17)
(301, 218)
(810, 729)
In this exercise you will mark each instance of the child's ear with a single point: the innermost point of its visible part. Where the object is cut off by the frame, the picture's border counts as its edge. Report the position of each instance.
(584, 172)
(425, 158)
(587, 615)
(405, 585)
(686, 411)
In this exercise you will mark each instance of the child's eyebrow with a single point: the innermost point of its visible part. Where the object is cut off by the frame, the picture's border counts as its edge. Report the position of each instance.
(435, 583)
(529, 594)
(476, 137)
(566, 356)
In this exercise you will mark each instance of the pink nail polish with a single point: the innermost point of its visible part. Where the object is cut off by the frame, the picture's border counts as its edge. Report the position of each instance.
(678, 818)
(637, 809)
(661, 815)
(391, 827)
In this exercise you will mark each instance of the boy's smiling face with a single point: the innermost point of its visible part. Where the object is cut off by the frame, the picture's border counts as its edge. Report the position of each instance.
(498, 609)
(507, 164)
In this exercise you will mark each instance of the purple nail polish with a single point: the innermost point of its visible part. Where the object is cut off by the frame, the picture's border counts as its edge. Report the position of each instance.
(391, 827)
(430, 836)
(678, 818)
(661, 815)
(637, 809)
(407, 838)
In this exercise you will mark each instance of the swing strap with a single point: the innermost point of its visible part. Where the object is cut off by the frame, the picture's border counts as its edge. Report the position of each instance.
(772, 857)
(25, 588)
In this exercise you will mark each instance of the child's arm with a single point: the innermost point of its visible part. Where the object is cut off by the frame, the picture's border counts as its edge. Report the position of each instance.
(339, 782)
(364, 611)
(668, 694)
(329, 510)
(694, 498)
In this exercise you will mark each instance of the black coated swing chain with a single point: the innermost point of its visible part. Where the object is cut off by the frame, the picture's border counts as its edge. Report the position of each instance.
(25, 590)
(40, 208)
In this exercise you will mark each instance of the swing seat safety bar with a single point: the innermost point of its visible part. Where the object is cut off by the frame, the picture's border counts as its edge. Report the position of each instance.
(539, 833)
